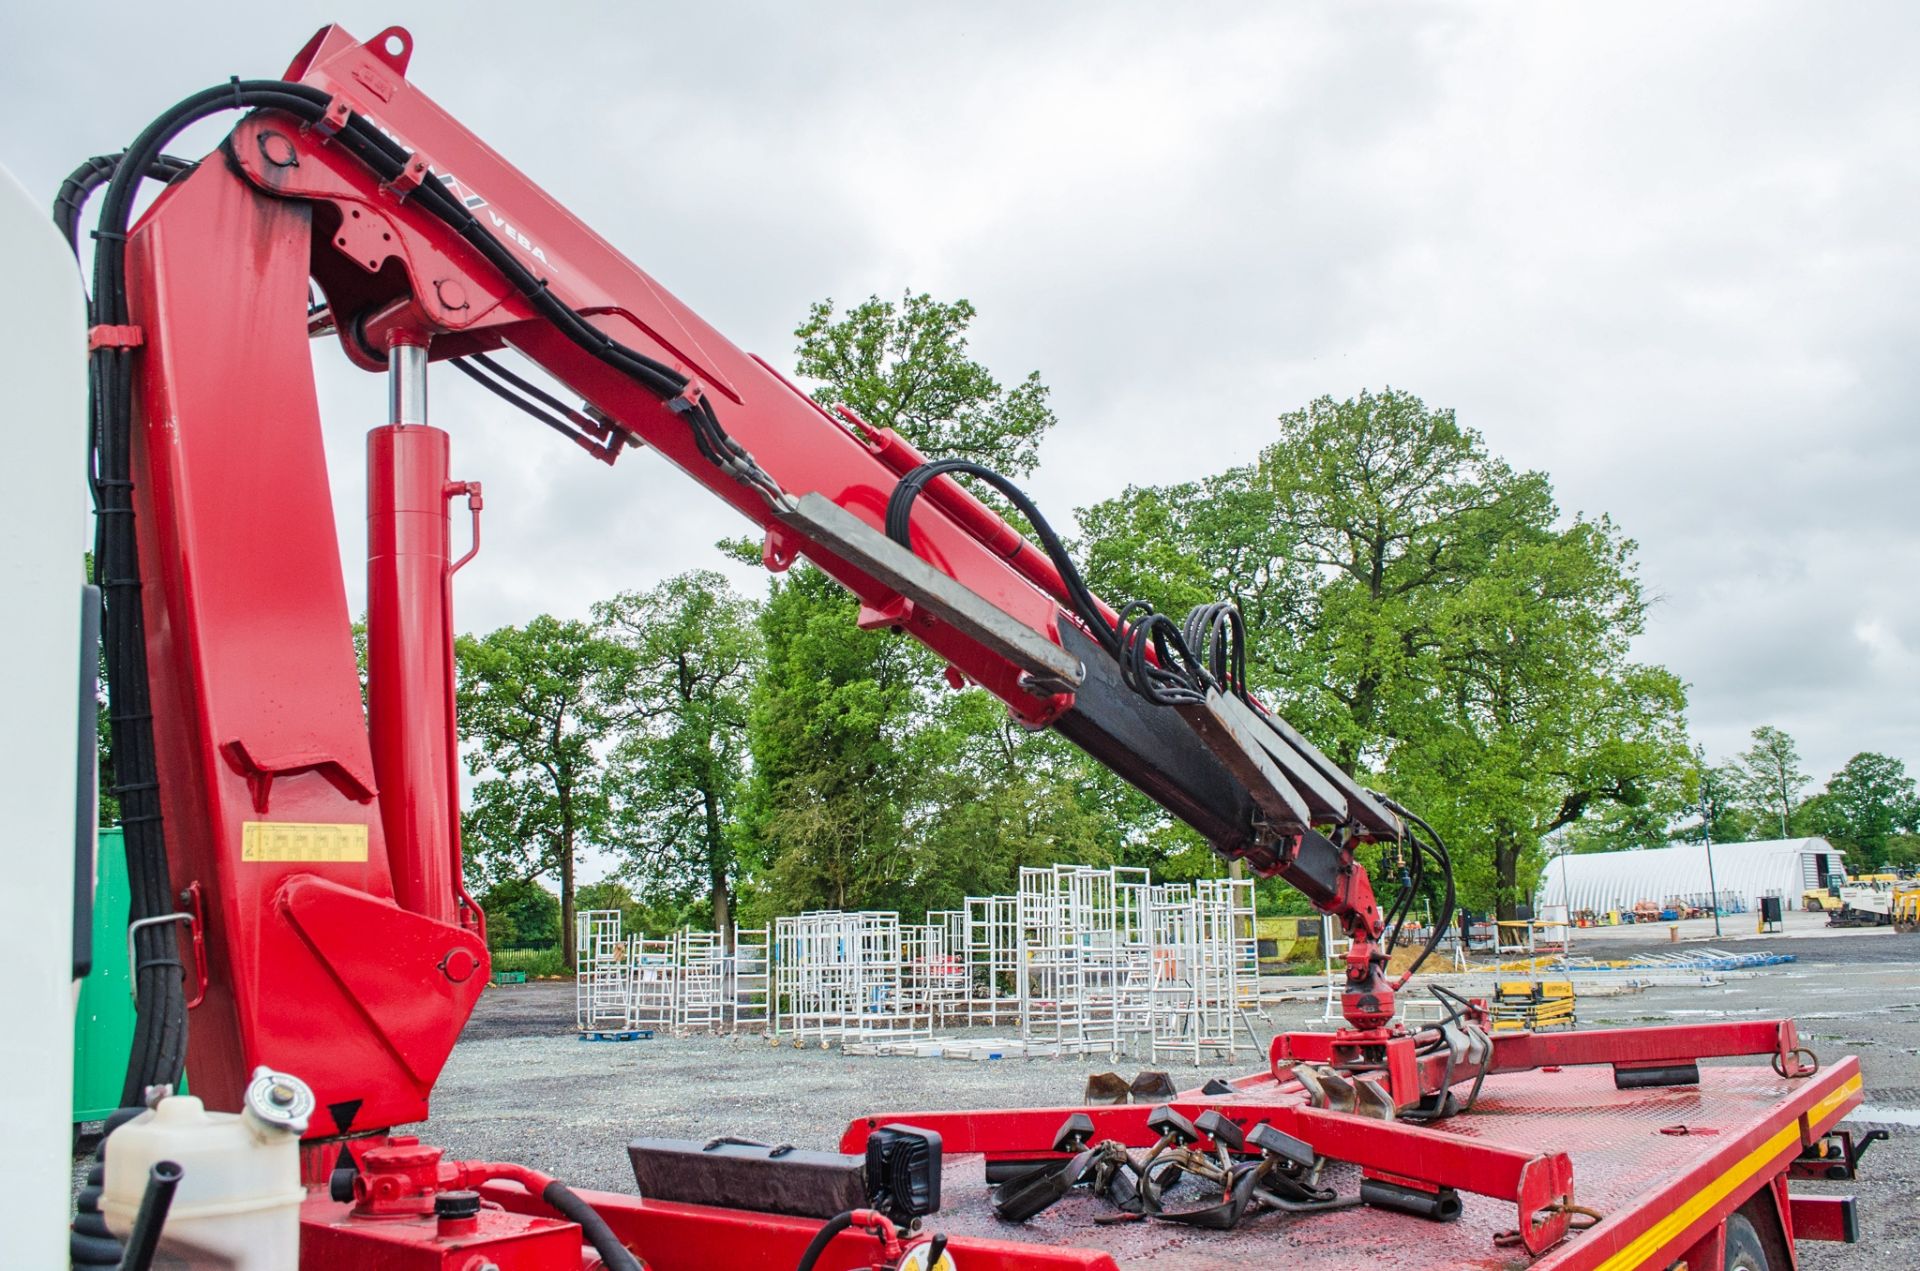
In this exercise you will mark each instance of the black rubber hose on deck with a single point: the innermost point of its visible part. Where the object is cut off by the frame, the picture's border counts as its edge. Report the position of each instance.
(614, 1255)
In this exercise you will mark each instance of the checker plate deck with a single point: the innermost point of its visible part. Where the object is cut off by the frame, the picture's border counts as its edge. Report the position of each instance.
(1615, 1138)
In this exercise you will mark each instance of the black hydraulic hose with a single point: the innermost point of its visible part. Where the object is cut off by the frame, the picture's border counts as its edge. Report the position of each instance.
(1174, 675)
(613, 1255)
(90, 176)
(537, 393)
(822, 1238)
(900, 508)
(160, 1029)
(91, 1243)
(1411, 878)
(563, 427)
(144, 1240)
(1438, 849)
(1217, 633)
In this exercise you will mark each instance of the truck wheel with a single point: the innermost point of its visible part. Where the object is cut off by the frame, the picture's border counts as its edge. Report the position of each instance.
(1744, 1250)
(1815, 906)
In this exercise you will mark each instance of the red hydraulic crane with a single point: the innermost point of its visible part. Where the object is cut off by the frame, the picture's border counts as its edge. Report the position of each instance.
(310, 851)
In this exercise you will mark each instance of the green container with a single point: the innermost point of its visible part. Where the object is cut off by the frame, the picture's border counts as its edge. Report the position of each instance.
(103, 1026)
(103, 1029)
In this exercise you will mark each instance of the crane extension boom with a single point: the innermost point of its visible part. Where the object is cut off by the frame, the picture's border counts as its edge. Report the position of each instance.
(315, 847)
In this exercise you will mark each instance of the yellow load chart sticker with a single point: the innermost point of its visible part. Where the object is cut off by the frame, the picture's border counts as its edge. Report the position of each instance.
(297, 841)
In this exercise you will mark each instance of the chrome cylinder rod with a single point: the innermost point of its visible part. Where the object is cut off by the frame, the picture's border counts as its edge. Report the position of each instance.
(407, 384)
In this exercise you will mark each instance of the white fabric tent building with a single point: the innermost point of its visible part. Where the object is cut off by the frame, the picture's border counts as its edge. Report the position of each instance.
(1616, 880)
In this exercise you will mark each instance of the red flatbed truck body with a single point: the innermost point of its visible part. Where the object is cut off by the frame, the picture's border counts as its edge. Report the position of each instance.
(1664, 1168)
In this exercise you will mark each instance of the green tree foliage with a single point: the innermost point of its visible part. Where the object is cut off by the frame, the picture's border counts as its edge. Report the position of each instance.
(996, 798)
(1418, 609)
(521, 914)
(360, 656)
(660, 915)
(1902, 852)
(1395, 510)
(1617, 827)
(609, 893)
(693, 649)
(1868, 808)
(535, 706)
(906, 367)
(1716, 804)
(831, 731)
(1770, 780)
(1532, 711)
(855, 740)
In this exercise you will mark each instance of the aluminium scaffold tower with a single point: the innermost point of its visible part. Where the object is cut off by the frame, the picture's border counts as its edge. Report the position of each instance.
(602, 985)
(934, 969)
(992, 956)
(751, 989)
(700, 1000)
(656, 983)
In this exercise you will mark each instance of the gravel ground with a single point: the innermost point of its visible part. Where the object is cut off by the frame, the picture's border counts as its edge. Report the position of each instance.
(520, 1086)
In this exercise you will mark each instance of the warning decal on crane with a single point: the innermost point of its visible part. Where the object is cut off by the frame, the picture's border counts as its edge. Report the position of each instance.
(297, 841)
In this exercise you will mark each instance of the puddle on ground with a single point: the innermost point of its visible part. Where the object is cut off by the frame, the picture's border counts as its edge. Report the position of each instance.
(1885, 1116)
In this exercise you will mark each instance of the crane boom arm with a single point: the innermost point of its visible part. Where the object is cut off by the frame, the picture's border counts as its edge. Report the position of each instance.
(324, 868)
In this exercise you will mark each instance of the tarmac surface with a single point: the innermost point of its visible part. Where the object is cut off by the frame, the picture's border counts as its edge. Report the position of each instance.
(521, 1086)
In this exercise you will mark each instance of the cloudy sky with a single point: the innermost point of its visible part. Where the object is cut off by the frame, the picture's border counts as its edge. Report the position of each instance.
(1665, 253)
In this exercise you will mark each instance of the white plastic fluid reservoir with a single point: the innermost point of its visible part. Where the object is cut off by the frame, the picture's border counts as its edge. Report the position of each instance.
(238, 1201)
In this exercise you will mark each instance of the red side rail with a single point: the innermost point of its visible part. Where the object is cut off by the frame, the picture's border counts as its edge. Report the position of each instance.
(672, 1237)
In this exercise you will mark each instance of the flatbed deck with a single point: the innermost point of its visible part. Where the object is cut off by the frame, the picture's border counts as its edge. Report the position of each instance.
(1664, 1167)
(1630, 1163)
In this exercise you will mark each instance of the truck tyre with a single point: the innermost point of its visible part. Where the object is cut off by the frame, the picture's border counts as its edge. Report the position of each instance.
(1744, 1250)
(1814, 906)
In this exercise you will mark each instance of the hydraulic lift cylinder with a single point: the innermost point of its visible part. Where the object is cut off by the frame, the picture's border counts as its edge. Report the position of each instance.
(410, 710)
